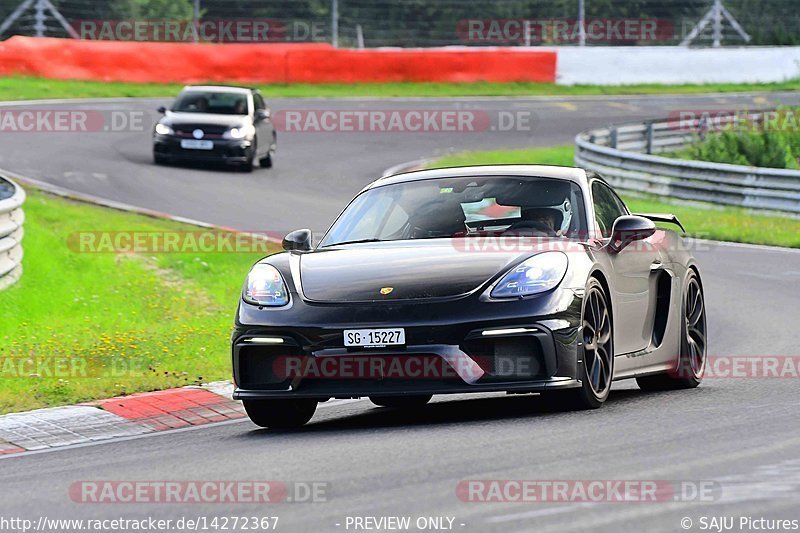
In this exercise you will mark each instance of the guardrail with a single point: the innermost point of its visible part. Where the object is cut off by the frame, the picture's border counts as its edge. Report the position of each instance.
(11, 218)
(623, 154)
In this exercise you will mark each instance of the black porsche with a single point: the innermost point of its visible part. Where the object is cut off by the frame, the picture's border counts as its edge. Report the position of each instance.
(474, 279)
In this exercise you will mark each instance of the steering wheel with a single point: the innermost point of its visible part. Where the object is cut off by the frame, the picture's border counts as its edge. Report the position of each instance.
(524, 227)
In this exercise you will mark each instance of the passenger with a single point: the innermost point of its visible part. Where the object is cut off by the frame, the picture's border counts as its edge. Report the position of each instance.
(201, 104)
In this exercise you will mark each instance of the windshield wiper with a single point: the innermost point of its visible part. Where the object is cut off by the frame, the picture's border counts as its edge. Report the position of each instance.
(359, 241)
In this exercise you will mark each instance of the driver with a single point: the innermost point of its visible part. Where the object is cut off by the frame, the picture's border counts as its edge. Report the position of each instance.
(539, 219)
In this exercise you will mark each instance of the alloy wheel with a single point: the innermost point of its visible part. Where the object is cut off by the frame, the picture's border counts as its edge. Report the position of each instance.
(695, 324)
(597, 342)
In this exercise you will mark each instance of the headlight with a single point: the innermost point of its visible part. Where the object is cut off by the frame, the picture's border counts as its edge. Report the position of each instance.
(236, 133)
(265, 286)
(163, 129)
(538, 274)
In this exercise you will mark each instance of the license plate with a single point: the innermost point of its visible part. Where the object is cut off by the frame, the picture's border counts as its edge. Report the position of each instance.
(194, 144)
(374, 337)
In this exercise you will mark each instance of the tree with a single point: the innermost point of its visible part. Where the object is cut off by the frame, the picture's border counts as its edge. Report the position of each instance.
(154, 9)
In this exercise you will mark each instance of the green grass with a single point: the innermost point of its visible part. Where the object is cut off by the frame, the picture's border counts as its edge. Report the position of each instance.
(135, 322)
(556, 155)
(27, 88)
(700, 219)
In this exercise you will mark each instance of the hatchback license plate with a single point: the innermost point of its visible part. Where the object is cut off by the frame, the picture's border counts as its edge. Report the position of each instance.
(374, 337)
(193, 144)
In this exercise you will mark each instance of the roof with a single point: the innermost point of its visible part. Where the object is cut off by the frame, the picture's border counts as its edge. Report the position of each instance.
(578, 175)
(220, 88)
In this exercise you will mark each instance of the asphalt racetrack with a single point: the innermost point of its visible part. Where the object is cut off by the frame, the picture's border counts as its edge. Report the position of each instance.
(740, 435)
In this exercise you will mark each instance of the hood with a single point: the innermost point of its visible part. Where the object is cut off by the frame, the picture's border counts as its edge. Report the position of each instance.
(414, 270)
(198, 119)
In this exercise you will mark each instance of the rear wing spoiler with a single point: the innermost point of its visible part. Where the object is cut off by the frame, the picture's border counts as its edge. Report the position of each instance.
(663, 217)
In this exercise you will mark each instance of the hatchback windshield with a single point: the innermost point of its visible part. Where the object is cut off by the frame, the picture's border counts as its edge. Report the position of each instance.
(462, 207)
(219, 103)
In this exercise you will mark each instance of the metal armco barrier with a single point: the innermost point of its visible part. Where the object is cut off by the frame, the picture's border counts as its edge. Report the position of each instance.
(623, 155)
(11, 219)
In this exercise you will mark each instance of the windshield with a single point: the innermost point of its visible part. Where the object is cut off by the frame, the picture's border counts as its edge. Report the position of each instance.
(462, 207)
(219, 103)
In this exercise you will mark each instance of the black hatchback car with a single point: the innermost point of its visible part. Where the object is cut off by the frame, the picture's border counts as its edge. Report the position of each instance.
(231, 125)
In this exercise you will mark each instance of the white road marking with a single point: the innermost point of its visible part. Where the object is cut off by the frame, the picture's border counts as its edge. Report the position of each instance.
(549, 511)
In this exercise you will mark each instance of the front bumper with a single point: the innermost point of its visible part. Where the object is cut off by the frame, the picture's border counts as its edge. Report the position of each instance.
(301, 354)
(169, 148)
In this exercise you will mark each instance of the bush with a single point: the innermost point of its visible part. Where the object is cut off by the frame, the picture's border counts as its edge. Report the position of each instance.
(775, 146)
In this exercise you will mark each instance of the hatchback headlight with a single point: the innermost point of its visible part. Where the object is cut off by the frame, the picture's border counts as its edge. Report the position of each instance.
(538, 274)
(236, 133)
(265, 286)
(163, 129)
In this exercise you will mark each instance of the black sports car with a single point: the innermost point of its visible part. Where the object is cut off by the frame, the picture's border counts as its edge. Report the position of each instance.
(231, 125)
(497, 278)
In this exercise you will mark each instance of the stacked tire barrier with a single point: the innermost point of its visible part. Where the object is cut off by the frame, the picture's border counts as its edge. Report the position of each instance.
(11, 218)
(623, 154)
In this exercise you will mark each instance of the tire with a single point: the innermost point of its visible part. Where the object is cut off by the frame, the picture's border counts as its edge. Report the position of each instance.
(269, 159)
(597, 371)
(401, 402)
(694, 346)
(247, 166)
(159, 159)
(280, 414)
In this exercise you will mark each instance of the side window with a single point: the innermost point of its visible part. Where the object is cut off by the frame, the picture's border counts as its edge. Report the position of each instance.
(259, 101)
(607, 207)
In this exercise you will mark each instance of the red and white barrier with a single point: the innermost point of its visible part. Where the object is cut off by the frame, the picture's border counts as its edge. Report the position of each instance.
(151, 62)
(158, 62)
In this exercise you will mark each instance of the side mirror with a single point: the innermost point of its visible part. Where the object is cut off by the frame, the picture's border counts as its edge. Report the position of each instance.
(162, 109)
(630, 228)
(298, 240)
(262, 114)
